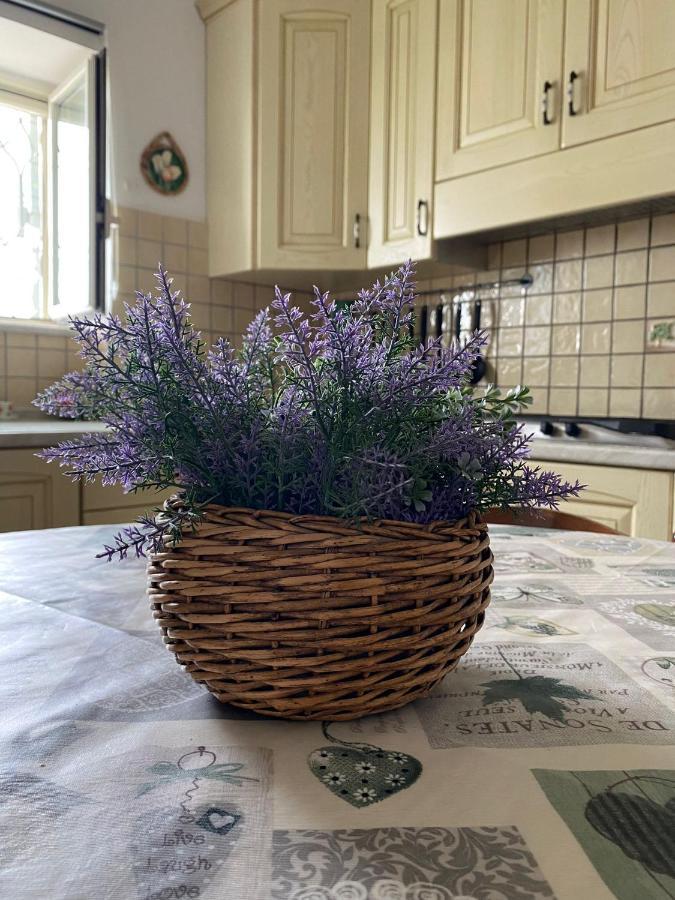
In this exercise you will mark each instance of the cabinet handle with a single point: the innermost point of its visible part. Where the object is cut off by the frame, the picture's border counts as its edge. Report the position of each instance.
(570, 93)
(422, 218)
(547, 120)
(356, 230)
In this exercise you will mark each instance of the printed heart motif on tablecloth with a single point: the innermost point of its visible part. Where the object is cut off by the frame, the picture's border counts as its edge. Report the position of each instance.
(217, 820)
(362, 774)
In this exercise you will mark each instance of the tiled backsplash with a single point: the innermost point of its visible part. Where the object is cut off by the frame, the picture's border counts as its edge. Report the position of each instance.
(579, 336)
(595, 333)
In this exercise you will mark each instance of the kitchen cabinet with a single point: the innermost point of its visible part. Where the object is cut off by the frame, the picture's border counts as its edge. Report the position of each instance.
(498, 83)
(35, 494)
(637, 502)
(619, 67)
(102, 505)
(287, 134)
(403, 66)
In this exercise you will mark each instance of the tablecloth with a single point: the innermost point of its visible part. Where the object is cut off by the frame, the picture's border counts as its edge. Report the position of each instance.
(542, 767)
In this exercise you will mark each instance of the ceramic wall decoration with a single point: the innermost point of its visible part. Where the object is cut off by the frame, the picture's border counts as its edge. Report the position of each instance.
(164, 166)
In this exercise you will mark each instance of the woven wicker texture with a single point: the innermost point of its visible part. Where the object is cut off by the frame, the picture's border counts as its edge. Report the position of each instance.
(309, 617)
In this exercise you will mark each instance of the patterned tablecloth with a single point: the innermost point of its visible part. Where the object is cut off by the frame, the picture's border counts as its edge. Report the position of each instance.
(543, 767)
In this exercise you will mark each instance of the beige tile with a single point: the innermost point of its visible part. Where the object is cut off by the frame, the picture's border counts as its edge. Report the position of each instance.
(150, 226)
(562, 401)
(221, 291)
(198, 289)
(197, 261)
(660, 370)
(514, 253)
(541, 248)
(658, 403)
(198, 235)
(542, 275)
(221, 319)
(663, 230)
(243, 296)
(596, 337)
(537, 340)
(3, 361)
(661, 299)
(596, 306)
(632, 235)
(3, 389)
(569, 244)
(51, 342)
(598, 272)
(630, 302)
(127, 279)
(21, 361)
(52, 363)
(241, 318)
(509, 372)
(566, 339)
(74, 362)
(539, 403)
(625, 402)
(174, 257)
(593, 402)
(26, 339)
(626, 370)
(174, 231)
(128, 221)
(146, 281)
(628, 337)
(567, 307)
(662, 263)
(200, 313)
(513, 290)
(594, 371)
(538, 310)
(511, 312)
(536, 371)
(21, 391)
(494, 255)
(149, 254)
(127, 251)
(631, 267)
(600, 240)
(568, 275)
(564, 371)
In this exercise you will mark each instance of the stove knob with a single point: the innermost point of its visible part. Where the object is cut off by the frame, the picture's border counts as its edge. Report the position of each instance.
(572, 429)
(546, 427)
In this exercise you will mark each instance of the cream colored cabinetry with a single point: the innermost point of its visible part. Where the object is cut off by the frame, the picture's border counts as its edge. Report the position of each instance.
(498, 83)
(103, 505)
(619, 67)
(637, 502)
(403, 69)
(287, 134)
(34, 494)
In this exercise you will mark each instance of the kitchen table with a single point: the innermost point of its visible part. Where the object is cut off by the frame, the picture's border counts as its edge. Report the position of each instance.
(542, 767)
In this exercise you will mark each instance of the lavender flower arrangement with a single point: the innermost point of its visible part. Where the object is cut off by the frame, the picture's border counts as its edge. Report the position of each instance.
(339, 413)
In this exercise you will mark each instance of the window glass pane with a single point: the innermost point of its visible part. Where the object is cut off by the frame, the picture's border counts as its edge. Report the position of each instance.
(21, 213)
(72, 214)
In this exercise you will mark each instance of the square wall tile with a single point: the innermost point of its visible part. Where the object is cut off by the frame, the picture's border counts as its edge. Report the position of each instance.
(628, 337)
(174, 231)
(566, 339)
(126, 251)
(564, 371)
(596, 337)
(593, 402)
(25, 339)
(514, 253)
(598, 272)
(52, 363)
(569, 244)
(662, 263)
(127, 221)
(661, 299)
(663, 230)
(149, 254)
(198, 289)
(537, 340)
(596, 306)
(509, 372)
(542, 279)
(494, 255)
(197, 261)
(198, 235)
(630, 302)
(511, 311)
(150, 226)
(594, 371)
(631, 267)
(658, 403)
(562, 401)
(21, 391)
(626, 370)
(510, 342)
(541, 248)
(568, 275)
(536, 371)
(659, 370)
(624, 402)
(21, 361)
(632, 235)
(539, 403)
(174, 257)
(567, 307)
(600, 240)
(538, 310)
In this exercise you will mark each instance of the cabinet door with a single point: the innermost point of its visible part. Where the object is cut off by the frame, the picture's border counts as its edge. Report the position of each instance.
(498, 64)
(637, 502)
(620, 57)
(401, 130)
(34, 494)
(313, 132)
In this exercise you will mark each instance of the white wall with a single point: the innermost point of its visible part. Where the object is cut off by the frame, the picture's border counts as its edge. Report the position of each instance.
(157, 62)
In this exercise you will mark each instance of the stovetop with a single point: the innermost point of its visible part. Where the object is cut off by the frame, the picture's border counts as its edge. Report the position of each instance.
(634, 432)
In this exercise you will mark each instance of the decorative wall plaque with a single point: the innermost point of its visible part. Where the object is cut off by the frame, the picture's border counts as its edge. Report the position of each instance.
(164, 166)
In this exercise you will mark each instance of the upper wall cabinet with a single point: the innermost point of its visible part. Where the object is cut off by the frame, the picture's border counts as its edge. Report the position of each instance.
(403, 69)
(498, 82)
(287, 134)
(619, 67)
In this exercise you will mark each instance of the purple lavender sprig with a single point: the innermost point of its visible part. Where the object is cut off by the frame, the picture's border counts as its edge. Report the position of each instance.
(333, 412)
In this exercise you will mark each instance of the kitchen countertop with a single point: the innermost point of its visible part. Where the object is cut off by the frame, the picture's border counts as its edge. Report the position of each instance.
(15, 433)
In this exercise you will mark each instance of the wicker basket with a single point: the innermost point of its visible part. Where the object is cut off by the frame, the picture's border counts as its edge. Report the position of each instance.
(308, 617)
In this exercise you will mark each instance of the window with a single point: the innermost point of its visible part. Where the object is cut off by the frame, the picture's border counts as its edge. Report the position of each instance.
(52, 176)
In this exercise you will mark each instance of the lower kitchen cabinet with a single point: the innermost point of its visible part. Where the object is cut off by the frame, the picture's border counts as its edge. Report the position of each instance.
(34, 494)
(103, 505)
(636, 502)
